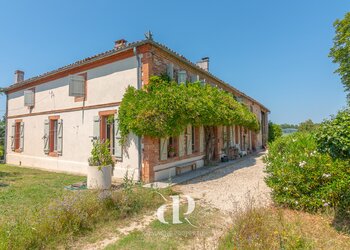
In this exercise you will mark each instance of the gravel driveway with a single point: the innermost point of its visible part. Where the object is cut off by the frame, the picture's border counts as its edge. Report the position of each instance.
(231, 187)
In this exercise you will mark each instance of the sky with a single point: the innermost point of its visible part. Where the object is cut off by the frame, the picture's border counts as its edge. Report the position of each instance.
(276, 51)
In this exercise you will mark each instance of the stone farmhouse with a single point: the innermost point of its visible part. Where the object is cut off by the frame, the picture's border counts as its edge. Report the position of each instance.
(53, 118)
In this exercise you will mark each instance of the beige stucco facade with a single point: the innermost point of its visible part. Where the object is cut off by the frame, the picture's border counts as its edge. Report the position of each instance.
(105, 85)
(107, 77)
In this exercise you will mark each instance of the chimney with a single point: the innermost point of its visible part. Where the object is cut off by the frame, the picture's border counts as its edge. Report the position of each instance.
(19, 76)
(204, 63)
(121, 43)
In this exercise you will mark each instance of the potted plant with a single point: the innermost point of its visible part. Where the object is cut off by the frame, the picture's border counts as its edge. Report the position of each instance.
(171, 151)
(99, 174)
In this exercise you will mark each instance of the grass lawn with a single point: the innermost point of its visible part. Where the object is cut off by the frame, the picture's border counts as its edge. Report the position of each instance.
(29, 189)
(36, 212)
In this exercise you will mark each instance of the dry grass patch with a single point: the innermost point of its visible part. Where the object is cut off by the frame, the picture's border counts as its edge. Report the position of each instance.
(276, 228)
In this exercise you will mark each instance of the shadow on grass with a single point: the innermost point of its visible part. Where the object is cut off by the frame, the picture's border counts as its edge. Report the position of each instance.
(9, 174)
(341, 221)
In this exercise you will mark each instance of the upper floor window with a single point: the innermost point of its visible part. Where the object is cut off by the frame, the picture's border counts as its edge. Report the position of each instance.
(182, 76)
(29, 98)
(170, 70)
(78, 86)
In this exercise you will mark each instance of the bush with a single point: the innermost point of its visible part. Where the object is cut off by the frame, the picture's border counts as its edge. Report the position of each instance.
(307, 126)
(101, 154)
(275, 131)
(333, 136)
(303, 178)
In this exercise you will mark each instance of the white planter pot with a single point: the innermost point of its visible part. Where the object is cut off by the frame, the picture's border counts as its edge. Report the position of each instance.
(99, 179)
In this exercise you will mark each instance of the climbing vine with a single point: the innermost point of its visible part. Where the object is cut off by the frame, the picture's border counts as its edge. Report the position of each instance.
(164, 108)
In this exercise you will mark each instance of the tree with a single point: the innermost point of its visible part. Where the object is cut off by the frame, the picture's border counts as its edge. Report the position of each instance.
(307, 126)
(340, 52)
(275, 131)
(333, 136)
(286, 125)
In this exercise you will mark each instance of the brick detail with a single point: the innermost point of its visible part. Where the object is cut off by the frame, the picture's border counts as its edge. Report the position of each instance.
(150, 157)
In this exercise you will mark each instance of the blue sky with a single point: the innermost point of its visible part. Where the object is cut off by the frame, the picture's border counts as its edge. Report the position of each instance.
(274, 50)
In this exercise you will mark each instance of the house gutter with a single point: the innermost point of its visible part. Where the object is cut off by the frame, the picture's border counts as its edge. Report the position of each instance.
(139, 86)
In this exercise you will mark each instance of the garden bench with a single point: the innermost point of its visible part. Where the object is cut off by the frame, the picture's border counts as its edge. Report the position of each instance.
(185, 166)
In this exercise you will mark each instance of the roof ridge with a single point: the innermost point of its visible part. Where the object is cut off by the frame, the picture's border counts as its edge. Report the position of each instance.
(118, 50)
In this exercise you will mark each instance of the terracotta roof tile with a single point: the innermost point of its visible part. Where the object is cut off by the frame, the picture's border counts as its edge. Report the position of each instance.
(115, 51)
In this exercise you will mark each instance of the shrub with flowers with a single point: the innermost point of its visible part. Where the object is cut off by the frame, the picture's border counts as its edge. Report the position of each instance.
(303, 178)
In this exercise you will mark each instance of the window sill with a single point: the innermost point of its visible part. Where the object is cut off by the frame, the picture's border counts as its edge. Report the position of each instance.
(79, 99)
(17, 150)
(179, 158)
(53, 154)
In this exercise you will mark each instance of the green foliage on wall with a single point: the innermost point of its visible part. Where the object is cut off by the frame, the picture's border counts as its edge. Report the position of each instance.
(164, 108)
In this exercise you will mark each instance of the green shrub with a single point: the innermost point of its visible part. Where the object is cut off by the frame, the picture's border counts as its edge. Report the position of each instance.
(333, 136)
(303, 178)
(275, 131)
(100, 154)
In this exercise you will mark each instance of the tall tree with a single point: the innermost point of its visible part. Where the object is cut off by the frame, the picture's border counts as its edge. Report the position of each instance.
(340, 52)
(275, 131)
(307, 126)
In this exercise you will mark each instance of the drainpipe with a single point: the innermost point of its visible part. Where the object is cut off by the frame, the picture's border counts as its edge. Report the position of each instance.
(139, 86)
(6, 125)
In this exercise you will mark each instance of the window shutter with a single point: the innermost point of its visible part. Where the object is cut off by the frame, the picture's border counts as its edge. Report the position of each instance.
(163, 148)
(194, 78)
(76, 85)
(29, 98)
(232, 136)
(46, 136)
(59, 136)
(189, 139)
(21, 138)
(182, 76)
(182, 144)
(170, 70)
(118, 150)
(201, 139)
(250, 140)
(13, 131)
(96, 128)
